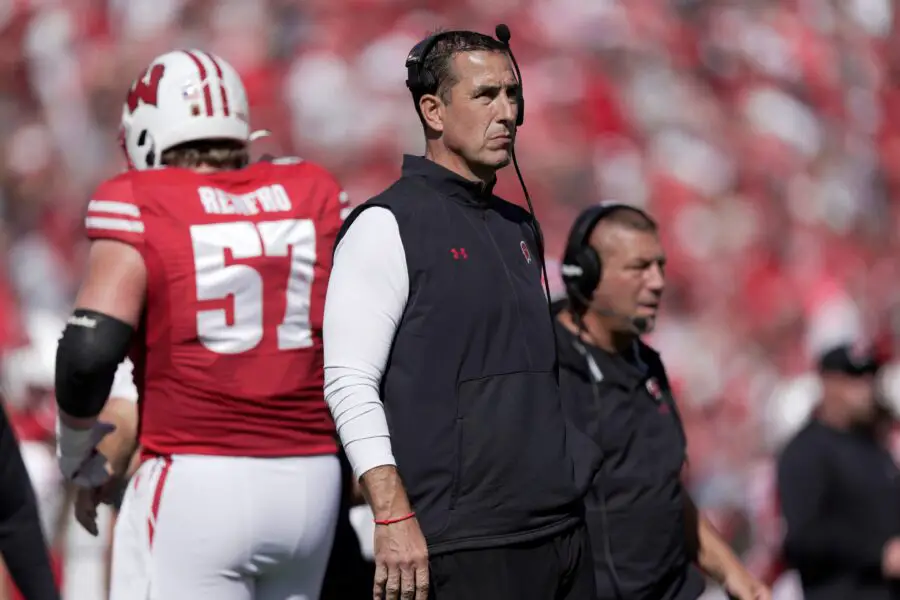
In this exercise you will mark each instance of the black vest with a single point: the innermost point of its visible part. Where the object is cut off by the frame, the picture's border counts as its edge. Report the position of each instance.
(629, 447)
(470, 390)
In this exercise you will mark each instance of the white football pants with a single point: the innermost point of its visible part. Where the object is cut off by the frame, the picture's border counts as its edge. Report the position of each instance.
(226, 528)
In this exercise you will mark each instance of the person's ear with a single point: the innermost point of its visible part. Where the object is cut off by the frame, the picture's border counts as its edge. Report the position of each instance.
(432, 109)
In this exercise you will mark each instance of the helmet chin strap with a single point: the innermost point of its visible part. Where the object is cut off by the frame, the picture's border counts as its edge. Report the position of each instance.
(259, 134)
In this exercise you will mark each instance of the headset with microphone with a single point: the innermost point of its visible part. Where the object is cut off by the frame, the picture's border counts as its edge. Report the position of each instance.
(421, 81)
(582, 267)
(582, 270)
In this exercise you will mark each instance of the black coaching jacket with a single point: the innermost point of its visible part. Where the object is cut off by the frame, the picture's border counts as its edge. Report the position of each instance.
(470, 391)
(628, 446)
(22, 544)
(839, 492)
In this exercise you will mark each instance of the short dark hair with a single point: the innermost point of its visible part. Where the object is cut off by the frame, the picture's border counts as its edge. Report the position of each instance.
(626, 217)
(439, 61)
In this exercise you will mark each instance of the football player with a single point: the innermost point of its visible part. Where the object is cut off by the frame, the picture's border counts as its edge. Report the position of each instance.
(212, 273)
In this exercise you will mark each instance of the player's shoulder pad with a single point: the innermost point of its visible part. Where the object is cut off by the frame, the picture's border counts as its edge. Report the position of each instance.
(114, 208)
(294, 166)
(282, 160)
(118, 187)
(318, 177)
(299, 167)
(125, 186)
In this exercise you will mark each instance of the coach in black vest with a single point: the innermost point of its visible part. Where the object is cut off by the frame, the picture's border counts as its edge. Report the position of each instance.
(440, 358)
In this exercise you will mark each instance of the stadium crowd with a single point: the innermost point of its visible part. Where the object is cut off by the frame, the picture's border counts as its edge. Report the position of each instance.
(763, 135)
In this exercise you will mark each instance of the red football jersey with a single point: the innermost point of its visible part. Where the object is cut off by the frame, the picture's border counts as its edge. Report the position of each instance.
(228, 360)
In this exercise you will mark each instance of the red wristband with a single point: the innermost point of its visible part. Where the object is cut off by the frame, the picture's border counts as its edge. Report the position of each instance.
(395, 520)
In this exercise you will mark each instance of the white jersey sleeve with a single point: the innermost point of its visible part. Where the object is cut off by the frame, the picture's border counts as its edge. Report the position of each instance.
(367, 294)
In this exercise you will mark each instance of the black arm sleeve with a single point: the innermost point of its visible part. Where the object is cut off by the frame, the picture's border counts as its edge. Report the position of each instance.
(21, 538)
(91, 348)
(815, 538)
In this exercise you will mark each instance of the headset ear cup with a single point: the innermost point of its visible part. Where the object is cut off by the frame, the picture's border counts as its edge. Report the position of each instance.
(572, 284)
(581, 287)
(579, 251)
(591, 272)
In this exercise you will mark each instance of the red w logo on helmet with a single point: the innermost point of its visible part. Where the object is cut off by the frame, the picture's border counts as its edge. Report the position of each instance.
(146, 89)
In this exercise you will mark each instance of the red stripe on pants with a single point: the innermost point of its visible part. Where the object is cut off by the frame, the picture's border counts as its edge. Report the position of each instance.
(157, 496)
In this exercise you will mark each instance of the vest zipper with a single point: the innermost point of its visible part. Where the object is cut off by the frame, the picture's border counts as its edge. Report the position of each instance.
(512, 287)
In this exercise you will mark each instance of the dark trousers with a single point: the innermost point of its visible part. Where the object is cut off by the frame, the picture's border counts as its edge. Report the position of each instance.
(558, 568)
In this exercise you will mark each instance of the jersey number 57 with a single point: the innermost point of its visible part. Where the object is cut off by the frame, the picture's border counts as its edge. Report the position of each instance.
(293, 238)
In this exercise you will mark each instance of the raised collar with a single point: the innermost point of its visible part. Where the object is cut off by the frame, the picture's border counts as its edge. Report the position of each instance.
(447, 182)
(598, 364)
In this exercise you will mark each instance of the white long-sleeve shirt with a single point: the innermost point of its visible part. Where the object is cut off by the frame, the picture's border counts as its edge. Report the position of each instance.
(367, 294)
(123, 383)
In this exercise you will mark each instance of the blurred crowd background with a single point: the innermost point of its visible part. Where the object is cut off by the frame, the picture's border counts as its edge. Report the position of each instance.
(763, 134)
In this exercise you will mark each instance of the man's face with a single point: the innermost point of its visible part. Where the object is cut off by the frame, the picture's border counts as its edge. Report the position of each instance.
(856, 393)
(479, 120)
(633, 279)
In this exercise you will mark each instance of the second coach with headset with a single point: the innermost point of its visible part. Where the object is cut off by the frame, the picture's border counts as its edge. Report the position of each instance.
(440, 359)
(626, 436)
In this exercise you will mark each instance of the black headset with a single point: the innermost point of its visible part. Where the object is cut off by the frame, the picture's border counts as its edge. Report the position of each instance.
(582, 268)
(421, 81)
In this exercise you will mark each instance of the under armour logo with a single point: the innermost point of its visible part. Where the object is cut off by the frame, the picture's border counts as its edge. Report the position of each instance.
(459, 253)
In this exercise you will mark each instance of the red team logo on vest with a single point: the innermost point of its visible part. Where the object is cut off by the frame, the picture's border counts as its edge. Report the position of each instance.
(525, 252)
(654, 390)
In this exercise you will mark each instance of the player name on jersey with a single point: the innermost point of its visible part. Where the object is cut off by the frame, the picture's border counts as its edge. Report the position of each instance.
(237, 268)
(267, 199)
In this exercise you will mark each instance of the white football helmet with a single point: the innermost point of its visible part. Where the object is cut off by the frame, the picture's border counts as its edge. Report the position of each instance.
(183, 96)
